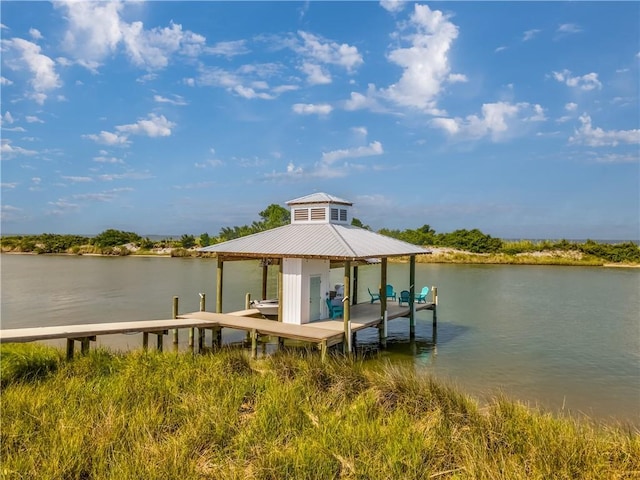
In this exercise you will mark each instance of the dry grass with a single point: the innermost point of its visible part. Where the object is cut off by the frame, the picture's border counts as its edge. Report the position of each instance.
(159, 416)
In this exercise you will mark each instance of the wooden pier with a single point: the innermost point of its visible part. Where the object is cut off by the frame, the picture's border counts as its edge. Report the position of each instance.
(322, 333)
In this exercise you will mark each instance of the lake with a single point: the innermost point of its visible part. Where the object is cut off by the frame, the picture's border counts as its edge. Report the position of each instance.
(563, 338)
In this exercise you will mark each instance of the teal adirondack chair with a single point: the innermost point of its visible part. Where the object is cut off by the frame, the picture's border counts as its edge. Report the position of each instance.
(405, 296)
(391, 294)
(335, 310)
(422, 296)
(374, 296)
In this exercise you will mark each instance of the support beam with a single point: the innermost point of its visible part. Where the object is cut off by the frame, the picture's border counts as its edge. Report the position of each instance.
(354, 293)
(219, 278)
(280, 280)
(254, 343)
(265, 275)
(346, 304)
(412, 296)
(383, 302)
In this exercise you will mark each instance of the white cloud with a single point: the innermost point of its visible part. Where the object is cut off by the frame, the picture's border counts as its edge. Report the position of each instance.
(566, 28)
(7, 118)
(425, 62)
(33, 119)
(108, 138)
(154, 126)
(35, 34)
(9, 186)
(228, 49)
(358, 101)
(21, 54)
(96, 30)
(311, 109)
(8, 151)
(374, 148)
(318, 49)
(497, 121)
(77, 179)
(500, 49)
(457, 78)
(316, 75)
(5, 81)
(585, 82)
(175, 100)
(360, 131)
(570, 107)
(250, 93)
(105, 159)
(393, 6)
(530, 34)
(597, 137)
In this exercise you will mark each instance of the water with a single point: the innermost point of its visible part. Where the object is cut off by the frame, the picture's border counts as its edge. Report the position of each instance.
(563, 338)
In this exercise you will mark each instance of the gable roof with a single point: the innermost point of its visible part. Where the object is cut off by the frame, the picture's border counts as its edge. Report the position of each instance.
(329, 241)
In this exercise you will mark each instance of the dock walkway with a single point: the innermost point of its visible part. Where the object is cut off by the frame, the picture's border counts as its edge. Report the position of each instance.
(324, 333)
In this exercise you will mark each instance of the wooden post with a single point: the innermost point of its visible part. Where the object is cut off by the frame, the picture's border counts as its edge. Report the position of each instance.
(265, 275)
(383, 302)
(219, 278)
(247, 301)
(70, 348)
(434, 295)
(145, 340)
(412, 296)
(280, 280)
(159, 339)
(175, 330)
(323, 350)
(346, 305)
(84, 345)
(254, 343)
(354, 293)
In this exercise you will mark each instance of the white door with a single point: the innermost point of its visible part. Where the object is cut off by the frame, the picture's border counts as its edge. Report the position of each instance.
(315, 298)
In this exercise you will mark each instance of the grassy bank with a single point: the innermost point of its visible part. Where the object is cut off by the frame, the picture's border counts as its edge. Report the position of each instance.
(148, 415)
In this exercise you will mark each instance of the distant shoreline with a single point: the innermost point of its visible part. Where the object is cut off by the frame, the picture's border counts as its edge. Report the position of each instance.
(438, 255)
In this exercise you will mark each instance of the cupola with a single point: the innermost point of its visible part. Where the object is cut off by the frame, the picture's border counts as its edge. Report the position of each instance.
(320, 208)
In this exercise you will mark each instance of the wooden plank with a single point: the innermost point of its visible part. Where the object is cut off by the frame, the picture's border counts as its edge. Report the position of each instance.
(88, 330)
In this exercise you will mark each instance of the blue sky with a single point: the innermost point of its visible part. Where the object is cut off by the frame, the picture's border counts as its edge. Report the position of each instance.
(517, 118)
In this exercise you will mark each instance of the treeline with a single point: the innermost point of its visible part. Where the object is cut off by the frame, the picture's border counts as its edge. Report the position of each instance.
(475, 241)
(117, 242)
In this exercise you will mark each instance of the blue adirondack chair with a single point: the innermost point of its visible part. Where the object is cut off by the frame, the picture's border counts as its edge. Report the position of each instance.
(374, 296)
(391, 294)
(422, 296)
(405, 296)
(335, 310)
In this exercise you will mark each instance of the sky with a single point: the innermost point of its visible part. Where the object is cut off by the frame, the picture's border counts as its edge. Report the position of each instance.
(520, 119)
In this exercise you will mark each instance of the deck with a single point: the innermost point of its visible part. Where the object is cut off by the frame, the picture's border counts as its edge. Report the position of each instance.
(324, 333)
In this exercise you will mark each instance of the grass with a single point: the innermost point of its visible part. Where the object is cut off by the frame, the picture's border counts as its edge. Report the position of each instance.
(156, 416)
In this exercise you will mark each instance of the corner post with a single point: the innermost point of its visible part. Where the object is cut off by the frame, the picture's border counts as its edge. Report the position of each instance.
(70, 348)
(346, 305)
(383, 303)
(412, 296)
(434, 295)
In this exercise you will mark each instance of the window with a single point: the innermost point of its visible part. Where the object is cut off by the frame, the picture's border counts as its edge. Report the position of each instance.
(301, 214)
(343, 215)
(334, 214)
(318, 214)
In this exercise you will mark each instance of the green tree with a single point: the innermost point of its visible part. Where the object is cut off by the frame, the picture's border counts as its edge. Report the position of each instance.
(115, 238)
(357, 223)
(274, 216)
(187, 241)
(204, 240)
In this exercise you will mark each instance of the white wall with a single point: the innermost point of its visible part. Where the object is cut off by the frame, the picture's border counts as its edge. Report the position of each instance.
(296, 274)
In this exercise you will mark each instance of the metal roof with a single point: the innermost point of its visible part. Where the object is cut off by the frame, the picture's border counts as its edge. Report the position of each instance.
(320, 197)
(332, 241)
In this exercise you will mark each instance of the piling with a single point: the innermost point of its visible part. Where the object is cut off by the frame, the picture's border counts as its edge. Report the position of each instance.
(434, 295)
(175, 330)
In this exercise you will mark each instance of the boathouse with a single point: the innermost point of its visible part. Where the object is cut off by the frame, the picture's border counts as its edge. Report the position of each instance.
(319, 237)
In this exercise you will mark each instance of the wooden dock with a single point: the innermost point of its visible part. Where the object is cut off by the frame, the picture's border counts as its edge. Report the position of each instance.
(323, 333)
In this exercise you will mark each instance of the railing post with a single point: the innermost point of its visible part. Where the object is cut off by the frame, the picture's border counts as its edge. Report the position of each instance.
(434, 295)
